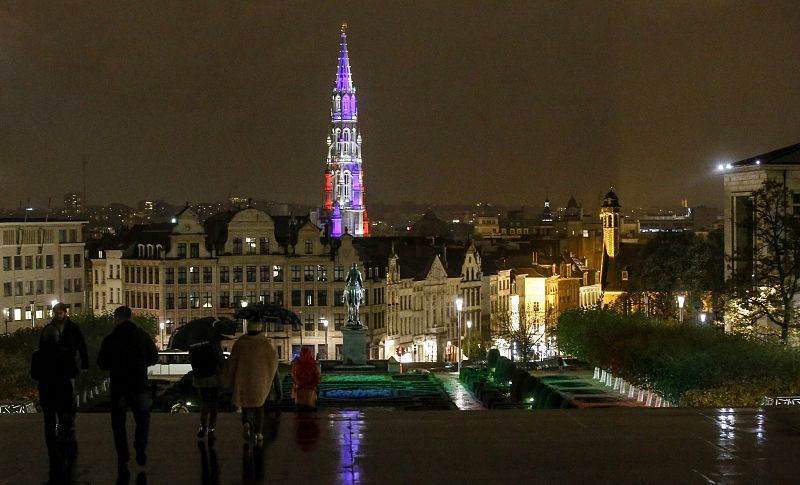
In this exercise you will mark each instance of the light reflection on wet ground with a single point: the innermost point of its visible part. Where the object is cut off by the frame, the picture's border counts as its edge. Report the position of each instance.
(463, 400)
(620, 446)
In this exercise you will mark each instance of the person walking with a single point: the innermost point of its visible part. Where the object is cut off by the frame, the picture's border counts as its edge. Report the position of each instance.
(305, 378)
(54, 367)
(70, 335)
(250, 371)
(126, 353)
(207, 359)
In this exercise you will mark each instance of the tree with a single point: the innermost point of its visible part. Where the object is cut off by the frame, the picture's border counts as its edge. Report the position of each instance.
(765, 276)
(677, 262)
(475, 345)
(526, 329)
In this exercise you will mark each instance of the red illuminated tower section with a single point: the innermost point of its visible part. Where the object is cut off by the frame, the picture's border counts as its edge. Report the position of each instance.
(344, 176)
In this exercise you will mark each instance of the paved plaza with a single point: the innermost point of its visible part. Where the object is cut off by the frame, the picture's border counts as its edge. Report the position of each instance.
(619, 446)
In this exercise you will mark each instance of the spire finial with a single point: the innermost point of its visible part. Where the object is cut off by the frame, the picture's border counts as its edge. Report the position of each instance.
(344, 29)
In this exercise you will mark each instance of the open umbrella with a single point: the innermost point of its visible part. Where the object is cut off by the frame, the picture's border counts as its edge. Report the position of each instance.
(267, 312)
(201, 330)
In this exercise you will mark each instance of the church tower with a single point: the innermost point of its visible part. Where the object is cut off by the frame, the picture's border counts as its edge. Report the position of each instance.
(344, 177)
(610, 216)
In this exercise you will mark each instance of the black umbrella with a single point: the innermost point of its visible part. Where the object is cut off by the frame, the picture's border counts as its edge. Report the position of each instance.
(201, 330)
(267, 312)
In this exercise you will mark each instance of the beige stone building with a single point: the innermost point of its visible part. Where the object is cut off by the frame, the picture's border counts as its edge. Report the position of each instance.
(43, 263)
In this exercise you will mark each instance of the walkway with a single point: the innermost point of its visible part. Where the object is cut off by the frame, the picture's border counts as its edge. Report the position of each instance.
(458, 393)
(614, 446)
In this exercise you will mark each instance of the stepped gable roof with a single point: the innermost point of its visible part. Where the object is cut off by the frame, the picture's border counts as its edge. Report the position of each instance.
(789, 155)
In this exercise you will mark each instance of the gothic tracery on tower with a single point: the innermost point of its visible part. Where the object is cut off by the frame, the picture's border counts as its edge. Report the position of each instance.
(344, 177)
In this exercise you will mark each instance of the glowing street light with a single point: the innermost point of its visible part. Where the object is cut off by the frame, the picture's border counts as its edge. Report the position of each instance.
(325, 324)
(162, 326)
(681, 301)
(243, 303)
(459, 306)
(469, 342)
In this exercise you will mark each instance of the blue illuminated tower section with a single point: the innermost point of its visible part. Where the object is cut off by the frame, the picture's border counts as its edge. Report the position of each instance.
(344, 177)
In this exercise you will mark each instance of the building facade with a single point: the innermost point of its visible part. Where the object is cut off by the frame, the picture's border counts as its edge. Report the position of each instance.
(43, 263)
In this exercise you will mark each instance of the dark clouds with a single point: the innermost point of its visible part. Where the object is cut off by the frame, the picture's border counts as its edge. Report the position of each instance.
(460, 101)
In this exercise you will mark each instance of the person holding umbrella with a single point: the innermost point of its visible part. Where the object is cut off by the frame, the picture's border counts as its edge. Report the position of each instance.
(207, 359)
(202, 337)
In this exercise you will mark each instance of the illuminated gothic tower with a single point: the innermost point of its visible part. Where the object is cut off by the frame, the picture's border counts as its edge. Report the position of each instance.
(610, 215)
(344, 177)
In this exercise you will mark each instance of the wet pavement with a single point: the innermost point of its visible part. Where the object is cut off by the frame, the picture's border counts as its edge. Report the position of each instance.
(459, 394)
(619, 446)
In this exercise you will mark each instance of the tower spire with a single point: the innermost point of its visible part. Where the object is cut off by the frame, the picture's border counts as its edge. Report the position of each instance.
(344, 182)
(344, 79)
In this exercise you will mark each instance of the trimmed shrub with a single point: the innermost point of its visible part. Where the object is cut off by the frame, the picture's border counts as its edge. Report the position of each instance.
(685, 364)
(491, 358)
(504, 370)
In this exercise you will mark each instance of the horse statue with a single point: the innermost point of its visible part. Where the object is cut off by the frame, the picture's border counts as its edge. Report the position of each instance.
(353, 296)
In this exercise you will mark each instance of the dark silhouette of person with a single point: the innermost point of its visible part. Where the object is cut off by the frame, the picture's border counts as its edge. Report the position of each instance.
(126, 353)
(54, 367)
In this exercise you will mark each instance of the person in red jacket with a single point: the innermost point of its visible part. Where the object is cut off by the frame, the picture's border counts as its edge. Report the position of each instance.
(305, 378)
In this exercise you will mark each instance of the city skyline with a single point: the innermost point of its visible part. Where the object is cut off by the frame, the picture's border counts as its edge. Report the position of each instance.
(539, 99)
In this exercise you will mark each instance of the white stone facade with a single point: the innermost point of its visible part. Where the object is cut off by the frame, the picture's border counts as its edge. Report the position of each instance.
(43, 262)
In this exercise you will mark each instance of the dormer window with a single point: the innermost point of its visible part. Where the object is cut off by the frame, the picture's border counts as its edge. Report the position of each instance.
(140, 250)
(182, 250)
(309, 246)
(237, 245)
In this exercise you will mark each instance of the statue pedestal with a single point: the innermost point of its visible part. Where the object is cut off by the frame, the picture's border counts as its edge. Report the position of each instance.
(354, 346)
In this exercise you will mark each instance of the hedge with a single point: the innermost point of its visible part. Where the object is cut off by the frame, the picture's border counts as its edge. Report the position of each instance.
(684, 363)
(16, 350)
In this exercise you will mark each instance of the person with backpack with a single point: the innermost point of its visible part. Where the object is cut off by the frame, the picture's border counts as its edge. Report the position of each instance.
(207, 359)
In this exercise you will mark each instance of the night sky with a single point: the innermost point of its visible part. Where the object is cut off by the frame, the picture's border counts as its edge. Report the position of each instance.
(459, 101)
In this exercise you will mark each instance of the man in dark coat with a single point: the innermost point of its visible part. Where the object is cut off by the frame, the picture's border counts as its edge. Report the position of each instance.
(53, 366)
(126, 353)
(70, 335)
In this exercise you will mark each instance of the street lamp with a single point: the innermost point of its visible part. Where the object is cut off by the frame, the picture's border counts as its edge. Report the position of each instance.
(6, 314)
(703, 317)
(469, 342)
(681, 300)
(33, 314)
(325, 324)
(161, 326)
(459, 305)
(243, 303)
